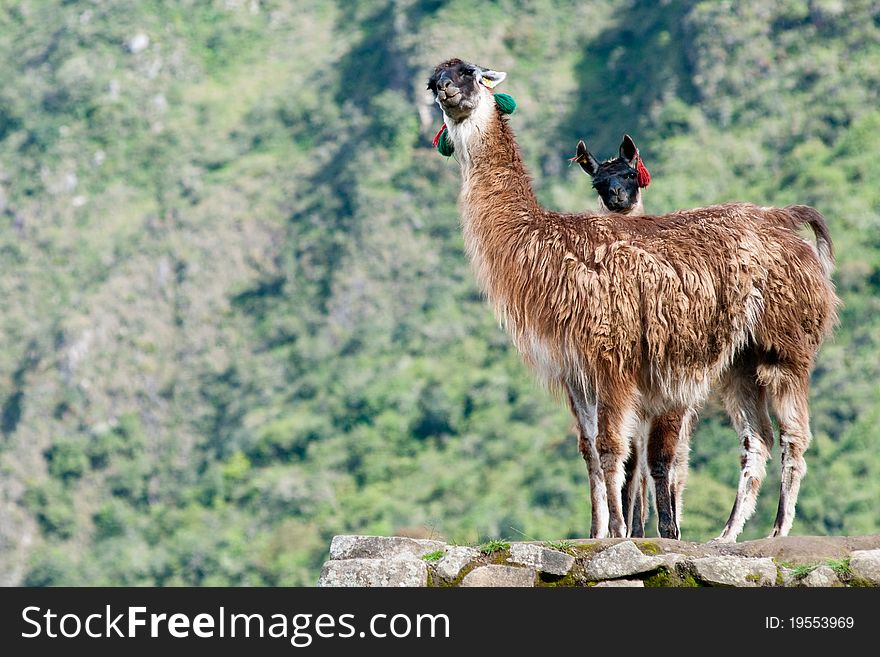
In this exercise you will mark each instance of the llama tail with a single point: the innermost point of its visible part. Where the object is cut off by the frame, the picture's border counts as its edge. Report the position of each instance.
(804, 214)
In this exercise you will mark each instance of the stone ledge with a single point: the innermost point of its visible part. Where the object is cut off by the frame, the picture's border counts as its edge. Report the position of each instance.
(810, 561)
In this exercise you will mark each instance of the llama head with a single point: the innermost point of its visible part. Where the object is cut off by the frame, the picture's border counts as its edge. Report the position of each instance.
(615, 180)
(461, 89)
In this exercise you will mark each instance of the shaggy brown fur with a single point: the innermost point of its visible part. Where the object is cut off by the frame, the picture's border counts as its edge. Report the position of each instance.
(636, 317)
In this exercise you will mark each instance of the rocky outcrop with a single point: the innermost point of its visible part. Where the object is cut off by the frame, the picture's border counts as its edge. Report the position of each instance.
(808, 561)
(734, 571)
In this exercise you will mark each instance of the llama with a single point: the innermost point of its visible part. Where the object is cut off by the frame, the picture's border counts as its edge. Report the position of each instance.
(619, 183)
(632, 318)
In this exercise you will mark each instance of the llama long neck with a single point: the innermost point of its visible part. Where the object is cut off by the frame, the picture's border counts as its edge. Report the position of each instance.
(492, 167)
(497, 203)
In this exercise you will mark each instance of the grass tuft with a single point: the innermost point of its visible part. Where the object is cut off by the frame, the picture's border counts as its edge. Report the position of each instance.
(560, 546)
(495, 545)
(840, 566)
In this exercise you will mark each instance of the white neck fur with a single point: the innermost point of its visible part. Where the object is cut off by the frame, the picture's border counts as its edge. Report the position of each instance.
(471, 129)
(636, 210)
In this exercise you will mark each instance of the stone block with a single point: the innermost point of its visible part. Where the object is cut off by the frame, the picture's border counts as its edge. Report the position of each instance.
(381, 547)
(734, 571)
(865, 566)
(456, 558)
(620, 560)
(504, 576)
(374, 573)
(542, 559)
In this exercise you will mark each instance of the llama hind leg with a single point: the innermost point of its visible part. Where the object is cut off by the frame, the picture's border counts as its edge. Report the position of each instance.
(663, 449)
(635, 487)
(633, 504)
(747, 406)
(791, 407)
(680, 464)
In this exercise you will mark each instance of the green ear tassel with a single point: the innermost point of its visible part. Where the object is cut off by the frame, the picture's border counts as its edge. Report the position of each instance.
(506, 105)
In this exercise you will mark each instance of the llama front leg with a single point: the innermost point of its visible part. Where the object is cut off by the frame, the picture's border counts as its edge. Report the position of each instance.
(612, 443)
(791, 407)
(598, 498)
(584, 408)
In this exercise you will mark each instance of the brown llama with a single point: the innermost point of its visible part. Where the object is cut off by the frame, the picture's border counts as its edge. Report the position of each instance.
(619, 182)
(633, 319)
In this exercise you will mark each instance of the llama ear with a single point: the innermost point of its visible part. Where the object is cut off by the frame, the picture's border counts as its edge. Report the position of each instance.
(588, 163)
(492, 78)
(628, 150)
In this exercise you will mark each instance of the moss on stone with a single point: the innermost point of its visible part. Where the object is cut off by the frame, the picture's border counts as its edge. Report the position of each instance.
(858, 582)
(586, 549)
(556, 581)
(665, 578)
(648, 547)
(780, 580)
(500, 557)
(452, 583)
(660, 579)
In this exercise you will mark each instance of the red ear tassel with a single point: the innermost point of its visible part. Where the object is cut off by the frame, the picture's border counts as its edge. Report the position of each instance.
(437, 136)
(643, 176)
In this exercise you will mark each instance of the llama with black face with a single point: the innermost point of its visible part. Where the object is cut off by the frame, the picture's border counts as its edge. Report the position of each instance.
(633, 318)
(618, 181)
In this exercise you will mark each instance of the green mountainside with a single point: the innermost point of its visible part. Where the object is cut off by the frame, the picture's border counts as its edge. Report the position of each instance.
(237, 315)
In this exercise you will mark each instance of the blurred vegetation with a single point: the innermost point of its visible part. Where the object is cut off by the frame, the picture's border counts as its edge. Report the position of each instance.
(238, 318)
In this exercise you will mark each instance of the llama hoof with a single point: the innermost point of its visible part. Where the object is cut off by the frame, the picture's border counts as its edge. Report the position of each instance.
(719, 540)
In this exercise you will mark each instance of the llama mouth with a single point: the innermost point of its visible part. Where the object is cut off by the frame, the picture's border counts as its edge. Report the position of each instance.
(449, 97)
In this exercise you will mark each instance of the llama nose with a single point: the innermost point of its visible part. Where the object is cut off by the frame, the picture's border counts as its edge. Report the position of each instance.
(443, 82)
